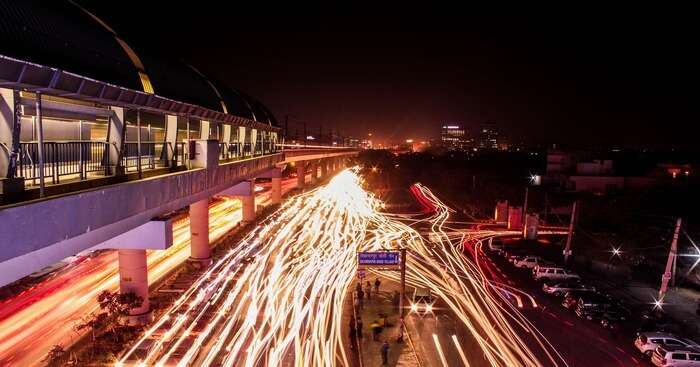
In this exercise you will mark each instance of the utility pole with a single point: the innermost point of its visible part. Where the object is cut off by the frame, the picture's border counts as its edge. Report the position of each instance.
(403, 282)
(567, 250)
(546, 206)
(523, 215)
(670, 272)
(286, 126)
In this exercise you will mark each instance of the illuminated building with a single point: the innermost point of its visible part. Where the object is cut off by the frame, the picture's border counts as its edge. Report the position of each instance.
(454, 137)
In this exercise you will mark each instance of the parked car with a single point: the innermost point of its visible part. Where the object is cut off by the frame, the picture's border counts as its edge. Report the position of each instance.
(591, 306)
(571, 298)
(515, 257)
(668, 356)
(647, 342)
(614, 315)
(509, 250)
(553, 274)
(559, 289)
(422, 301)
(528, 262)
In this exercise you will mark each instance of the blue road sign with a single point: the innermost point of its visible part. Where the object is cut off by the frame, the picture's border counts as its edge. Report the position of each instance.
(379, 258)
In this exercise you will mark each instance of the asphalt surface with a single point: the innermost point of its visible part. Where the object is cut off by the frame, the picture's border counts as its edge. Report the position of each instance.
(578, 342)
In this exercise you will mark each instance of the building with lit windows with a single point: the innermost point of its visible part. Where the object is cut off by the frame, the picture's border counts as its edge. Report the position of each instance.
(489, 137)
(455, 137)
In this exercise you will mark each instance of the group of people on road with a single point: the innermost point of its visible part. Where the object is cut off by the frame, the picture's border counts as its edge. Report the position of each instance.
(362, 292)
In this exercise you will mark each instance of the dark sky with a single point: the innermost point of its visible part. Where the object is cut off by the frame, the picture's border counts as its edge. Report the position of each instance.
(577, 78)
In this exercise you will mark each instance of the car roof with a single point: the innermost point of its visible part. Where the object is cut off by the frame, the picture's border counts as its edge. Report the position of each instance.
(658, 334)
(594, 296)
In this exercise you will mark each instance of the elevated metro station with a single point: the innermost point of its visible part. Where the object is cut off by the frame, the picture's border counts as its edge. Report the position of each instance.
(100, 143)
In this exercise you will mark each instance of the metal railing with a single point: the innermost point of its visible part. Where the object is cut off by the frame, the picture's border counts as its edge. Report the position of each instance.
(309, 146)
(180, 154)
(229, 151)
(80, 158)
(62, 159)
(153, 155)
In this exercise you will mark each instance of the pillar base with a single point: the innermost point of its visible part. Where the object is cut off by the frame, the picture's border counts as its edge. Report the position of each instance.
(133, 278)
(141, 318)
(201, 263)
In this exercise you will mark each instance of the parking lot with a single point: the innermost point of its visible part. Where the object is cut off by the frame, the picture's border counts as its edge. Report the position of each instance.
(581, 340)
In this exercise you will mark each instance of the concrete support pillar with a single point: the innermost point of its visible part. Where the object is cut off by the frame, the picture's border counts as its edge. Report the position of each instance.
(248, 202)
(301, 172)
(501, 213)
(314, 172)
(324, 168)
(276, 196)
(515, 218)
(199, 232)
(133, 277)
(532, 223)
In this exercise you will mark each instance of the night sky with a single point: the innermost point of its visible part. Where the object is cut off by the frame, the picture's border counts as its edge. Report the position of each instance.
(579, 79)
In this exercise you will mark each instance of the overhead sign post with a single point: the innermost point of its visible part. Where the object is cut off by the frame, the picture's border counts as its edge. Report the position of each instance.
(386, 260)
(379, 259)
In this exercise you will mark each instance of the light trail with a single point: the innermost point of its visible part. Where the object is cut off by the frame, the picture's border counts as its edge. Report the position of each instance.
(462, 285)
(45, 315)
(285, 306)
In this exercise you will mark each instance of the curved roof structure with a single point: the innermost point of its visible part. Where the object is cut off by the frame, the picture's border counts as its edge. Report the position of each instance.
(63, 35)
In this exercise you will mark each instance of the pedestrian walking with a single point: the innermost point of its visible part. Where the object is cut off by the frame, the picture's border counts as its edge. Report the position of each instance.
(376, 329)
(357, 303)
(384, 350)
(360, 294)
(359, 328)
(377, 283)
(358, 286)
(368, 290)
(353, 335)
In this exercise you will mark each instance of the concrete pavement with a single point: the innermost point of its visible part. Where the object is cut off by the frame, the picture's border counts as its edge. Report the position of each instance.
(400, 353)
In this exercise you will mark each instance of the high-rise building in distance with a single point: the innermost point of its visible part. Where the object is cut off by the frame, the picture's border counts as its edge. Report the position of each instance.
(455, 137)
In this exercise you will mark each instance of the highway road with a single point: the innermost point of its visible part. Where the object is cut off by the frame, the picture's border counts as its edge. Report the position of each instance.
(564, 339)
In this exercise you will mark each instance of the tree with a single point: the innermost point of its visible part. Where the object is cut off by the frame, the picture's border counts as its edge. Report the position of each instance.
(115, 307)
(57, 356)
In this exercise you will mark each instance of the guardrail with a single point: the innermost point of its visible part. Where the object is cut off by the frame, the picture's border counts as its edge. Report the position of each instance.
(62, 159)
(80, 160)
(228, 151)
(306, 146)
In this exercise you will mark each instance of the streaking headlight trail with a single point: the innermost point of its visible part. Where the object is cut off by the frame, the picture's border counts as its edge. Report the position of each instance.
(276, 297)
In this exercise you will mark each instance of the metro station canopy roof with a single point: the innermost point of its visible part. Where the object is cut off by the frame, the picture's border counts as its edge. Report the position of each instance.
(61, 34)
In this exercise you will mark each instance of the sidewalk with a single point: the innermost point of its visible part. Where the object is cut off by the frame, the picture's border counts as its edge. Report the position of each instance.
(400, 354)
